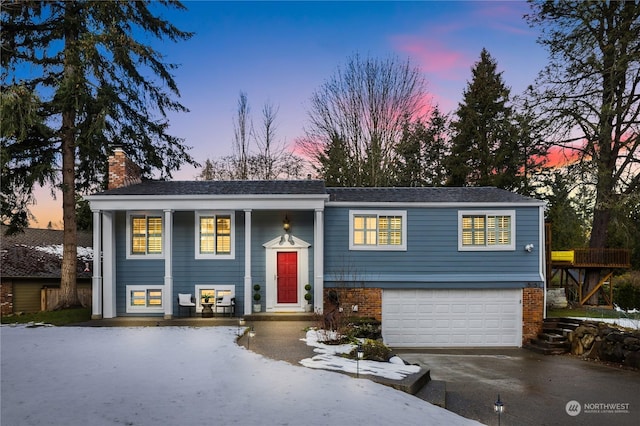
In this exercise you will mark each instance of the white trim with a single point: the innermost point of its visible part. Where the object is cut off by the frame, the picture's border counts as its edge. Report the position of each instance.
(497, 247)
(146, 214)
(214, 256)
(167, 247)
(318, 263)
(431, 204)
(144, 309)
(248, 281)
(109, 265)
(208, 202)
(542, 260)
(272, 247)
(378, 213)
(96, 279)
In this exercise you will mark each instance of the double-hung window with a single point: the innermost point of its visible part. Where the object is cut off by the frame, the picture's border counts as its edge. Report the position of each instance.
(141, 298)
(215, 235)
(377, 230)
(486, 230)
(145, 233)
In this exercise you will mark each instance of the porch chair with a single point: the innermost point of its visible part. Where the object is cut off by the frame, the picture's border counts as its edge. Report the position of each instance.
(226, 302)
(186, 301)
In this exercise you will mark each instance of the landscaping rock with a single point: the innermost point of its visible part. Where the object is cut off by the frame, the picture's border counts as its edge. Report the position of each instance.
(606, 343)
(632, 360)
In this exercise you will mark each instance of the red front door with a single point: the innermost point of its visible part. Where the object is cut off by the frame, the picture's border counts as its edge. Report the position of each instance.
(287, 277)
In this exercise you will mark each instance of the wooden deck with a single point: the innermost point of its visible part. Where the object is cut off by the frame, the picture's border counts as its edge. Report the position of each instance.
(591, 258)
(600, 261)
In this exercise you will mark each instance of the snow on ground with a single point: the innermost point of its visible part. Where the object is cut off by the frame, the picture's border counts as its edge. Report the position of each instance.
(329, 359)
(622, 322)
(182, 376)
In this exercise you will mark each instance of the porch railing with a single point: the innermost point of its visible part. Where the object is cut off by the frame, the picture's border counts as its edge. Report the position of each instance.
(594, 258)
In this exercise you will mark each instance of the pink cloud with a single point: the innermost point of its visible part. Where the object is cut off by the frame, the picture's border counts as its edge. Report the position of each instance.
(433, 57)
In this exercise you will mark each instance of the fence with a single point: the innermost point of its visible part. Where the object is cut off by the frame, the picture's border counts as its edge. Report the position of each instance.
(50, 298)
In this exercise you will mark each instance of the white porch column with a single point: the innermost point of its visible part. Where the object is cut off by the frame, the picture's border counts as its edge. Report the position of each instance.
(318, 262)
(96, 279)
(248, 284)
(109, 265)
(168, 264)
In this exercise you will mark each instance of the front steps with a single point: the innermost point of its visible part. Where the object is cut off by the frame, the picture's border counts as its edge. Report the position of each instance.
(554, 337)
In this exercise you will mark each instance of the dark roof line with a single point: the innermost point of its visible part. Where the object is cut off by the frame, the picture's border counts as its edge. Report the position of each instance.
(317, 187)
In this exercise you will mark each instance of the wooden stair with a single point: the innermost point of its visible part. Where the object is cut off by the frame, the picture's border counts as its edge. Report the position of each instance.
(554, 339)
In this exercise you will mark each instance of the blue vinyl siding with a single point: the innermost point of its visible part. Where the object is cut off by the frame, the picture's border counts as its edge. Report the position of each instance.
(267, 225)
(432, 259)
(132, 271)
(189, 271)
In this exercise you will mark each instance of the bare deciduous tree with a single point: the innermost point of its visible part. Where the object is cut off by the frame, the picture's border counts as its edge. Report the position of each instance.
(590, 95)
(365, 106)
(270, 160)
(242, 130)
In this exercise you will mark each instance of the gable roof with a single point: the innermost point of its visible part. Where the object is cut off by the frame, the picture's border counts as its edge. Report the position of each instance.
(36, 253)
(428, 195)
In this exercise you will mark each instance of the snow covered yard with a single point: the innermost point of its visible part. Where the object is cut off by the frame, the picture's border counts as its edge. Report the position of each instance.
(180, 376)
(329, 358)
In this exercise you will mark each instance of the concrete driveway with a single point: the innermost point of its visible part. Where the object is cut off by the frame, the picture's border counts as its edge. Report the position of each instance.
(535, 389)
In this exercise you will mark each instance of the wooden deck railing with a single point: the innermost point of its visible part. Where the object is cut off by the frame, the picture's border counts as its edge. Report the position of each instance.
(600, 258)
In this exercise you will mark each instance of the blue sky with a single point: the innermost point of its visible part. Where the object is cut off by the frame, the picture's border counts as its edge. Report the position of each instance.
(282, 51)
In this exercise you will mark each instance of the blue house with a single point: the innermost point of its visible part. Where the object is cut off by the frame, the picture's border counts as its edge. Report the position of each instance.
(438, 266)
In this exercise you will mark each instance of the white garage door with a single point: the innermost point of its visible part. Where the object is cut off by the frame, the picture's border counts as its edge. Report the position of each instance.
(453, 318)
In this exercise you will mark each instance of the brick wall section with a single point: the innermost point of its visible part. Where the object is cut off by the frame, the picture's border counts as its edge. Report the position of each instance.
(369, 301)
(6, 298)
(122, 171)
(532, 313)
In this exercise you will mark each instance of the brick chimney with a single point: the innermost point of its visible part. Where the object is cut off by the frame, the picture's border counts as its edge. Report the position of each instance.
(122, 171)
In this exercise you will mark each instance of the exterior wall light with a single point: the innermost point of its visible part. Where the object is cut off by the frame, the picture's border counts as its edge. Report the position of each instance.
(529, 248)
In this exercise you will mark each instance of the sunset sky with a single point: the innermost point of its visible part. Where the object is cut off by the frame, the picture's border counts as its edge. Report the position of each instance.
(282, 51)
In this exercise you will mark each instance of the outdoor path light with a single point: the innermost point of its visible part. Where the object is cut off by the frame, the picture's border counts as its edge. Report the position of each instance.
(241, 323)
(252, 333)
(498, 406)
(360, 356)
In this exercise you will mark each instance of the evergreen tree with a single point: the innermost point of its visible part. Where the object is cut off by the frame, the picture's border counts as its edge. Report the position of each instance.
(568, 228)
(336, 167)
(75, 81)
(484, 142)
(410, 156)
(422, 152)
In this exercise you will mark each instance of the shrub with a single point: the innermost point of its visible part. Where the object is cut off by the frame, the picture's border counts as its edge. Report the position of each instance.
(626, 291)
(365, 328)
(373, 350)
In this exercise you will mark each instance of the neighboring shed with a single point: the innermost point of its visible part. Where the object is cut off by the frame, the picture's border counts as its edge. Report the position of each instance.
(31, 261)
